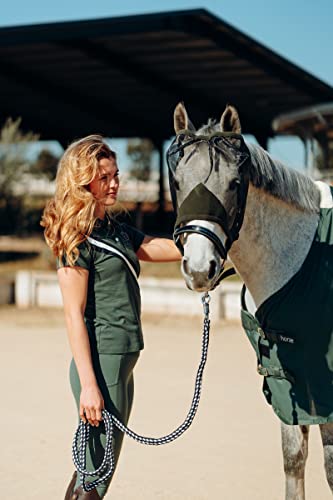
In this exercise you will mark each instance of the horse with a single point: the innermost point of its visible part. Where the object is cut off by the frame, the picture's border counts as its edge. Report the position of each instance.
(235, 202)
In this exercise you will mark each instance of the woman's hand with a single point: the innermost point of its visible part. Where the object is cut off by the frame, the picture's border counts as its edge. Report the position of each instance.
(91, 405)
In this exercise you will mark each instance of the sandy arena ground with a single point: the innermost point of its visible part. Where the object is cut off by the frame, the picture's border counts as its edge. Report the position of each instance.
(231, 452)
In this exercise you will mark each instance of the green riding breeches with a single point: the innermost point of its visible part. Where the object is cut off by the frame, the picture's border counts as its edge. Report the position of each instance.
(114, 373)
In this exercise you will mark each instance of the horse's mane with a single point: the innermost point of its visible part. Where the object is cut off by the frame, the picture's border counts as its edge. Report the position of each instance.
(277, 179)
(281, 181)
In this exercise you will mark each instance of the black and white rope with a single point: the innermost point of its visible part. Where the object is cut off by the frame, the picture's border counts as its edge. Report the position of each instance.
(106, 469)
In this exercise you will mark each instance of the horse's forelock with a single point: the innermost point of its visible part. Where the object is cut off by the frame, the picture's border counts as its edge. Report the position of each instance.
(209, 128)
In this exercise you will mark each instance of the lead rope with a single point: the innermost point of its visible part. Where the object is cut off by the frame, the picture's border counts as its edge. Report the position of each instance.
(106, 469)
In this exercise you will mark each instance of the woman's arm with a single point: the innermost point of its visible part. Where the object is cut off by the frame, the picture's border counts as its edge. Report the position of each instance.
(158, 250)
(74, 285)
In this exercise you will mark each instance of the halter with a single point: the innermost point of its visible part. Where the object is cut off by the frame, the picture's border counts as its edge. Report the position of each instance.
(218, 142)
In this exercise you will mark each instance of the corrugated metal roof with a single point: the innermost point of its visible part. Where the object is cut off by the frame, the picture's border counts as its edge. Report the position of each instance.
(123, 76)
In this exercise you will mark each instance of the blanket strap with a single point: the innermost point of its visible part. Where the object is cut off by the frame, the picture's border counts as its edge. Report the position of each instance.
(276, 372)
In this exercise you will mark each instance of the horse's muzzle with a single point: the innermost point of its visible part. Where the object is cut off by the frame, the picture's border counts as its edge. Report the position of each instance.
(203, 280)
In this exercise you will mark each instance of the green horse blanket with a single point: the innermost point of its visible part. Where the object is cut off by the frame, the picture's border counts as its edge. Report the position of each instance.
(292, 334)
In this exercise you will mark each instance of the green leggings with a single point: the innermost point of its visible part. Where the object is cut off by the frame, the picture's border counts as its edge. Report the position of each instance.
(114, 373)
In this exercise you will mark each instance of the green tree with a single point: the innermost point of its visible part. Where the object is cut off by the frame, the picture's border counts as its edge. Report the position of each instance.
(14, 166)
(140, 152)
(45, 165)
(13, 155)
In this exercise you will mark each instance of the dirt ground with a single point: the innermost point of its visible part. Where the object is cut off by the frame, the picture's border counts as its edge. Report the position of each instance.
(231, 452)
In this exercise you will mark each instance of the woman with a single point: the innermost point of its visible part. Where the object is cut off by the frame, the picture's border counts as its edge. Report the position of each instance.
(101, 297)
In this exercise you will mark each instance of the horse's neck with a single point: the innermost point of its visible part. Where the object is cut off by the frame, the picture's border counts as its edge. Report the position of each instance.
(274, 240)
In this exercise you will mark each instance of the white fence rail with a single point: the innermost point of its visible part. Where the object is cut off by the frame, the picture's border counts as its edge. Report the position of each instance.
(168, 296)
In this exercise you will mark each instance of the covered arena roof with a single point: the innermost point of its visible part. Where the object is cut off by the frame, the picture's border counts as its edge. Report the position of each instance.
(307, 122)
(123, 76)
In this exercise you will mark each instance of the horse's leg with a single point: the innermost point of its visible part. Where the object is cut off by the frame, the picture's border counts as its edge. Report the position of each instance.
(326, 431)
(295, 452)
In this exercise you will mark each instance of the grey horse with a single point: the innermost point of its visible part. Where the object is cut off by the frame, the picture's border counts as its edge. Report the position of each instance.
(234, 201)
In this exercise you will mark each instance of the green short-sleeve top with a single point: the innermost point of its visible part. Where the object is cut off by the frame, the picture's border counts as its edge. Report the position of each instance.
(113, 309)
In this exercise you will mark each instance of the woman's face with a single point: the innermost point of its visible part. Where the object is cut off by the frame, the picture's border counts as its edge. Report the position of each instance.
(105, 185)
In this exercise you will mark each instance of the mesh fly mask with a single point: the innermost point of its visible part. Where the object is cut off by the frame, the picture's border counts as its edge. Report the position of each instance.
(201, 188)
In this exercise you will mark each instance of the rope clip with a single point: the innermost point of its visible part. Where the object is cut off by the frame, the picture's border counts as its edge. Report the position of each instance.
(205, 299)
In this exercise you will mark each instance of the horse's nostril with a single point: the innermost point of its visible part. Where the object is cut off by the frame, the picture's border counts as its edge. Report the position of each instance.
(212, 269)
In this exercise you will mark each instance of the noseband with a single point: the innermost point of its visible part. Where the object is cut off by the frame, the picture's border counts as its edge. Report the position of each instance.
(191, 228)
(203, 231)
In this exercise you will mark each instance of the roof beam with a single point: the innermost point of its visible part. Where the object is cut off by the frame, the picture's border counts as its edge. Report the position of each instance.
(141, 73)
(93, 110)
(199, 104)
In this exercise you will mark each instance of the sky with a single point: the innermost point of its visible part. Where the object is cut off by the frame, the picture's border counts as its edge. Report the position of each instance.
(299, 30)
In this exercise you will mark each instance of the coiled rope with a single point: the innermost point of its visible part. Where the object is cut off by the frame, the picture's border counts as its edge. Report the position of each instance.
(106, 469)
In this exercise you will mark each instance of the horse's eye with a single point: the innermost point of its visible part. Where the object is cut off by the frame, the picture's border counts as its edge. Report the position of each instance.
(234, 184)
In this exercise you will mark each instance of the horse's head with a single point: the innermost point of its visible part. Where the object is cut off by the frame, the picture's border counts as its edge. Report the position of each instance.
(209, 175)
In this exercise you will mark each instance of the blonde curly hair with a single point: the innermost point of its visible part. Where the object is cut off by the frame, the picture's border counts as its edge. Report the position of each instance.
(69, 217)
